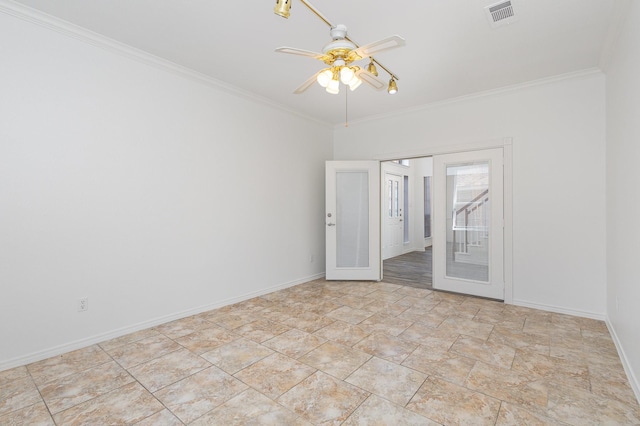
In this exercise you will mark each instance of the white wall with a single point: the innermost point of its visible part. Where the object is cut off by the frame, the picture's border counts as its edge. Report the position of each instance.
(623, 202)
(558, 132)
(151, 194)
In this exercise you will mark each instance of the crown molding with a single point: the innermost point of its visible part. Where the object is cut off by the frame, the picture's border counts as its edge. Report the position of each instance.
(84, 35)
(586, 73)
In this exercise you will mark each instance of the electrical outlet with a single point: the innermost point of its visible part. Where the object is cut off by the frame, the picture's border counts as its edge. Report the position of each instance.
(83, 304)
(312, 258)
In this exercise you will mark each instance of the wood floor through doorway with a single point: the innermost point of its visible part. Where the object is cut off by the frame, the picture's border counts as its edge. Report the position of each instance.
(412, 269)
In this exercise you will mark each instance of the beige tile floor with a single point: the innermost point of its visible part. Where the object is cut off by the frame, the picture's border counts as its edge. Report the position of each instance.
(335, 353)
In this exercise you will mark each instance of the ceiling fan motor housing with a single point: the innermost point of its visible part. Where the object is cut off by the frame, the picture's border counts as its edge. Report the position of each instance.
(338, 32)
(340, 46)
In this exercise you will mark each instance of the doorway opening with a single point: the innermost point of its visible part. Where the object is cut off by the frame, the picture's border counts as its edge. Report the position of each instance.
(406, 222)
(468, 254)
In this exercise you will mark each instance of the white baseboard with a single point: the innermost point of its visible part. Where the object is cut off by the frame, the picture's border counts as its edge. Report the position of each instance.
(82, 343)
(560, 310)
(633, 380)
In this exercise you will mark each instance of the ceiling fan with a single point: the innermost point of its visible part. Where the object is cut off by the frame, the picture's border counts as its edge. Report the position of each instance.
(339, 54)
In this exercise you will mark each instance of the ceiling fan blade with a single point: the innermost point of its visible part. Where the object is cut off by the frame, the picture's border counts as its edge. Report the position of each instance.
(377, 47)
(301, 52)
(370, 79)
(304, 86)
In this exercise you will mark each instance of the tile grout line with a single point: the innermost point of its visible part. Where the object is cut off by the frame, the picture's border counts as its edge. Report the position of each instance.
(558, 323)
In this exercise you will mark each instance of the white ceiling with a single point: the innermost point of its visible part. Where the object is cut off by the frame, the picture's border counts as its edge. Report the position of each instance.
(451, 49)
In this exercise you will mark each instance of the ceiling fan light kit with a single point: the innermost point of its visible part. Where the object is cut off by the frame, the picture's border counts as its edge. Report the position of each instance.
(346, 74)
(333, 87)
(282, 8)
(339, 54)
(393, 87)
(324, 77)
(372, 68)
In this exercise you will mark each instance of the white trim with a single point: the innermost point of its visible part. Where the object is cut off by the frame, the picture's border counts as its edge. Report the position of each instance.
(408, 248)
(559, 310)
(507, 163)
(444, 149)
(82, 343)
(488, 93)
(84, 35)
(633, 380)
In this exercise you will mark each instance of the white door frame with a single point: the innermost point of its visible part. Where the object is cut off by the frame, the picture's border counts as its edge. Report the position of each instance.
(507, 145)
(492, 247)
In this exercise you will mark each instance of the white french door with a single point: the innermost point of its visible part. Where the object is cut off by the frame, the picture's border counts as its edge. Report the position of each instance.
(468, 243)
(352, 220)
(393, 234)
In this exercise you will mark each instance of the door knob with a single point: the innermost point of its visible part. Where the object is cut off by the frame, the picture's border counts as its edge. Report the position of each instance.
(331, 224)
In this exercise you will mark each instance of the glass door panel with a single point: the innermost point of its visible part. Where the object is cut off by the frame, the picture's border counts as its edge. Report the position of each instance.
(468, 224)
(352, 219)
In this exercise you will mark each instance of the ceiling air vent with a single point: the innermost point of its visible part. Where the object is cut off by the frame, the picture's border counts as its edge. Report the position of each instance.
(500, 13)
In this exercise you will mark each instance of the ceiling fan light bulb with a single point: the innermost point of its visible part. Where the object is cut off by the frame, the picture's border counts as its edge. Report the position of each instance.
(346, 74)
(393, 87)
(354, 83)
(324, 77)
(333, 87)
(282, 8)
